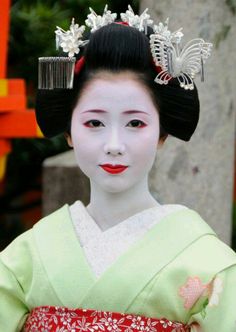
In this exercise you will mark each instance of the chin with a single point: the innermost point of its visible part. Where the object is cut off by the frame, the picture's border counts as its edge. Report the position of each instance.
(113, 189)
(116, 186)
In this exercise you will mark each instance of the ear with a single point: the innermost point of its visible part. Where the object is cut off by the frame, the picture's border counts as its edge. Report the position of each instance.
(68, 139)
(161, 141)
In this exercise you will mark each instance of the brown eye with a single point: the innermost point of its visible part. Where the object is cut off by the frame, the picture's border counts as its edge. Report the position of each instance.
(94, 123)
(137, 124)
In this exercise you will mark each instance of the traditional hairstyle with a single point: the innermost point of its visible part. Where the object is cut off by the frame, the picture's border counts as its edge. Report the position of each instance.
(118, 48)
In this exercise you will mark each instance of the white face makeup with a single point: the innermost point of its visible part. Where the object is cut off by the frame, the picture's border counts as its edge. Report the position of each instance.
(115, 122)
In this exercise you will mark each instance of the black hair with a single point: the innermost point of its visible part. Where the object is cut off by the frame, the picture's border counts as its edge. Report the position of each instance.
(116, 48)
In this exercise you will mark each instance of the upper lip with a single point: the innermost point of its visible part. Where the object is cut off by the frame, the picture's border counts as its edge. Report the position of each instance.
(113, 165)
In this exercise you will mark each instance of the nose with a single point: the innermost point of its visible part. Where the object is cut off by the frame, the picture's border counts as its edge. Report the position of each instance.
(114, 144)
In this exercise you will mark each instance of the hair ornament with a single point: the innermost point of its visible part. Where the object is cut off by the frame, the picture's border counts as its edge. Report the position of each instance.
(140, 22)
(71, 40)
(170, 59)
(95, 21)
(165, 34)
(58, 72)
(183, 64)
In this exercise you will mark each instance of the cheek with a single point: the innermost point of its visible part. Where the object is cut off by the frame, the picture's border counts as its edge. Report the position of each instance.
(147, 149)
(84, 155)
(146, 154)
(85, 148)
(149, 140)
(78, 134)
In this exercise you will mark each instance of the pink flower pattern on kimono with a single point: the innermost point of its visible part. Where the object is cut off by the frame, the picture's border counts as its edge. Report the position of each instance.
(192, 290)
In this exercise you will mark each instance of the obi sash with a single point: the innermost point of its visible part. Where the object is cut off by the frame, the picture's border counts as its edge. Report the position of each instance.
(62, 319)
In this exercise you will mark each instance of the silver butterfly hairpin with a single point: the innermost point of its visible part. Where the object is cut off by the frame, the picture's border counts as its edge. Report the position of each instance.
(184, 64)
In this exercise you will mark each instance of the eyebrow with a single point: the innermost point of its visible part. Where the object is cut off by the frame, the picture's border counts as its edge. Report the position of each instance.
(125, 112)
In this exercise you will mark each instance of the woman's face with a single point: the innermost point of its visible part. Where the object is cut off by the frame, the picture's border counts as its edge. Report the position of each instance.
(115, 122)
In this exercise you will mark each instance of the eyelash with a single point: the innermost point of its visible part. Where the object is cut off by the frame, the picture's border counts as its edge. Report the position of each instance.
(87, 123)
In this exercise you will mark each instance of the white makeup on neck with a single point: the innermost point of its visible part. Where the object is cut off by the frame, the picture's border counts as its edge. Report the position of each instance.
(116, 122)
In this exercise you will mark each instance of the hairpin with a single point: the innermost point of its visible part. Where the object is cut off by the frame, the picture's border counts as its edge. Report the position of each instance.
(70, 41)
(140, 22)
(95, 21)
(170, 60)
(58, 72)
(184, 64)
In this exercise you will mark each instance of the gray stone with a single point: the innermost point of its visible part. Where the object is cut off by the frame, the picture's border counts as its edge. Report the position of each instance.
(63, 182)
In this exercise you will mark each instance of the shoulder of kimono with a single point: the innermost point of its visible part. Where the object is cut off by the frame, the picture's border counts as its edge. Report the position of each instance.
(21, 256)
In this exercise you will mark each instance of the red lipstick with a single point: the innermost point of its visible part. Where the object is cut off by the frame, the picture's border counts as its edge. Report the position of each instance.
(113, 169)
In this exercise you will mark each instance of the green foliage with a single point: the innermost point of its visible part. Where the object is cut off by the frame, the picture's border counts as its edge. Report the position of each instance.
(232, 5)
(221, 35)
(31, 26)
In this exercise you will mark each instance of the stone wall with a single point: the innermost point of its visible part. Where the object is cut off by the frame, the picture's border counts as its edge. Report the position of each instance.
(63, 182)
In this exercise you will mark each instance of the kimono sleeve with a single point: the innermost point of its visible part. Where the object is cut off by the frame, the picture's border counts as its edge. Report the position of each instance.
(15, 282)
(218, 312)
(12, 307)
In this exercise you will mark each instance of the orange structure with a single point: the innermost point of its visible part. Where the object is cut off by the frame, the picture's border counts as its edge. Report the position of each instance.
(15, 119)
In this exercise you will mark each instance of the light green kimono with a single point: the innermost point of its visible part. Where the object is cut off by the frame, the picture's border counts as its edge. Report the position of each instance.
(178, 270)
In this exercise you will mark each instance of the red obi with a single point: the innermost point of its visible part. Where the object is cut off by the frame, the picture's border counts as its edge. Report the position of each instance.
(60, 319)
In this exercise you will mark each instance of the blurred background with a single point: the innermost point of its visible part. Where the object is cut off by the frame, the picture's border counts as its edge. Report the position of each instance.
(31, 35)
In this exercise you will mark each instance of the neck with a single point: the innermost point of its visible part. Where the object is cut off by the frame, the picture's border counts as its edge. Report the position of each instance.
(108, 209)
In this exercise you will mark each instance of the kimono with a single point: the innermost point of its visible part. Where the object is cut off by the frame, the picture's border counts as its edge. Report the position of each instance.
(178, 270)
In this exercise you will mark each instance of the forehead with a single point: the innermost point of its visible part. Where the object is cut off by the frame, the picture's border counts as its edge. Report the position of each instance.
(120, 91)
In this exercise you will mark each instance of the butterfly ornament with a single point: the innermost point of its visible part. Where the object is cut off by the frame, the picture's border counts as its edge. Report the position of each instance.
(182, 64)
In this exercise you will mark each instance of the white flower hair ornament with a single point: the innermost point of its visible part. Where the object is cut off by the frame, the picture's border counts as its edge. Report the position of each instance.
(184, 64)
(139, 22)
(95, 21)
(70, 41)
(170, 62)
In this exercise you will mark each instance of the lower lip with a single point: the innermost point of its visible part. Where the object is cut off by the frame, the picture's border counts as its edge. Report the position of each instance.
(114, 170)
